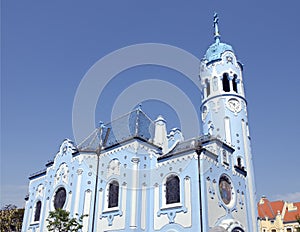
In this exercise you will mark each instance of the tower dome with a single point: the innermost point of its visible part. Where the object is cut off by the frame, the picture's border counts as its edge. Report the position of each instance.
(215, 50)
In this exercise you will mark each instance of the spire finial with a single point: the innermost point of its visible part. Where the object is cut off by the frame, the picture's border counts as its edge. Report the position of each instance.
(217, 34)
(100, 124)
(139, 107)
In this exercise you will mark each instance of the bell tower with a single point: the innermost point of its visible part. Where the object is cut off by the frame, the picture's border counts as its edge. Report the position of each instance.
(224, 112)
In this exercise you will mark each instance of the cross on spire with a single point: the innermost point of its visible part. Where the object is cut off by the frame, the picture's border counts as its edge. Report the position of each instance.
(216, 26)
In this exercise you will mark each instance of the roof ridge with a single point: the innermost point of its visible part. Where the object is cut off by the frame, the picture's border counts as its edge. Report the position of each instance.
(271, 208)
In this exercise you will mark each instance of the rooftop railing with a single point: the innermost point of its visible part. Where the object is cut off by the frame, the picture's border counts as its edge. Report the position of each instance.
(135, 124)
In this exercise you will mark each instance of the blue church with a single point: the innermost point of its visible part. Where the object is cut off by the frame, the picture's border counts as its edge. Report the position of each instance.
(134, 175)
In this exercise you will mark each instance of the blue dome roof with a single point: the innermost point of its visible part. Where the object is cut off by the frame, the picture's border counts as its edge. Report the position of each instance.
(215, 51)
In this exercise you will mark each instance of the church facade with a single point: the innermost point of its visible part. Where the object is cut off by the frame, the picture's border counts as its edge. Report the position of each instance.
(133, 175)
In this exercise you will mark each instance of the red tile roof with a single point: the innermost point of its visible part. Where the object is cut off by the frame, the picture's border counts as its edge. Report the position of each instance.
(291, 215)
(270, 209)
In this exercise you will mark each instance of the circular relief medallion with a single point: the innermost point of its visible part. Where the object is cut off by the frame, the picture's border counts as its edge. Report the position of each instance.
(234, 105)
(60, 198)
(225, 188)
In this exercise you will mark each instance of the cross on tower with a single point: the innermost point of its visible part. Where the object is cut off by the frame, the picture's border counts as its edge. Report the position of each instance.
(217, 33)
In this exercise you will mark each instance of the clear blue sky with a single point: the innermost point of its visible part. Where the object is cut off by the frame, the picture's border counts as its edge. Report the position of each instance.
(48, 46)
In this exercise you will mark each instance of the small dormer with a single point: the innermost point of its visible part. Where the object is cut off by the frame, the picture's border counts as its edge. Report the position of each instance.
(291, 207)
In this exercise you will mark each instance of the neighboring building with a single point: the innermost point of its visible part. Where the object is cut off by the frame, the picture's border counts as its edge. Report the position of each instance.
(278, 216)
(132, 175)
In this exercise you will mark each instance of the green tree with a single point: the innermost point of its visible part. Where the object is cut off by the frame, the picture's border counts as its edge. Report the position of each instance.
(60, 221)
(11, 218)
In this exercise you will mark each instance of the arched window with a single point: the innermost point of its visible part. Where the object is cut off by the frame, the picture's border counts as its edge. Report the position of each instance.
(227, 129)
(207, 88)
(37, 213)
(172, 189)
(234, 83)
(239, 162)
(215, 83)
(60, 198)
(225, 159)
(113, 194)
(247, 127)
(225, 82)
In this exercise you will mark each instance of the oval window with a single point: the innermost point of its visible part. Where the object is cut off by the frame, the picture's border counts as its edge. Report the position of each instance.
(60, 198)
(225, 189)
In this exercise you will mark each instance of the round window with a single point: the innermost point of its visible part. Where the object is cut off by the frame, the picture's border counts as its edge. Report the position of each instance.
(60, 198)
(237, 229)
(225, 189)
